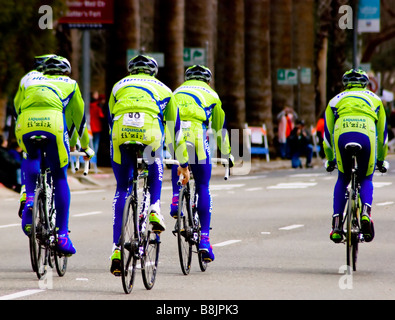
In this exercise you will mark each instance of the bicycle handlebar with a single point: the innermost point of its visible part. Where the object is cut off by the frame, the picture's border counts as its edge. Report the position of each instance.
(79, 154)
(224, 162)
(382, 169)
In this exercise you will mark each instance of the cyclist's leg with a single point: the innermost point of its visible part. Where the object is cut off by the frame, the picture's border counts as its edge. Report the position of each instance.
(176, 192)
(155, 178)
(32, 169)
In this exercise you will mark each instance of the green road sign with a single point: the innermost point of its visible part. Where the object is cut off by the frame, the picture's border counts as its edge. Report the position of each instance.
(158, 56)
(287, 76)
(194, 56)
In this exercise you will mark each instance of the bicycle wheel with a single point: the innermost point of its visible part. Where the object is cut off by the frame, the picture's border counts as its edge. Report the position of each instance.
(184, 230)
(38, 239)
(351, 236)
(150, 259)
(129, 243)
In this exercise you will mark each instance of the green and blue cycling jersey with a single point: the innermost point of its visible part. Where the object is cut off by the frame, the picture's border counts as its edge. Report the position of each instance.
(42, 99)
(355, 115)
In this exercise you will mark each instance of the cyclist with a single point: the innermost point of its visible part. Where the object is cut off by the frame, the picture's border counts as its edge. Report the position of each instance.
(200, 106)
(139, 107)
(37, 70)
(355, 115)
(41, 106)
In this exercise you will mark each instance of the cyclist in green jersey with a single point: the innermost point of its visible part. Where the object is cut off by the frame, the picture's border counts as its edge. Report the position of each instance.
(200, 107)
(355, 115)
(139, 106)
(37, 70)
(41, 106)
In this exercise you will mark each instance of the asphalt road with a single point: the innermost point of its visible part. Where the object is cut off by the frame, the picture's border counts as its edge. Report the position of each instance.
(270, 237)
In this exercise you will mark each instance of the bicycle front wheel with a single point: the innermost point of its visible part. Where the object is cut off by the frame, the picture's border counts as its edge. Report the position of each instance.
(129, 244)
(150, 259)
(184, 230)
(38, 250)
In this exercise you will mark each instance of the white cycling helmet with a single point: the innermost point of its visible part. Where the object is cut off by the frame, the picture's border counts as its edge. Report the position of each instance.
(143, 64)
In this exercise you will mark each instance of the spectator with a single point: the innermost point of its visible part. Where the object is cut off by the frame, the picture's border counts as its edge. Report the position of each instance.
(286, 122)
(96, 121)
(320, 129)
(300, 144)
(8, 169)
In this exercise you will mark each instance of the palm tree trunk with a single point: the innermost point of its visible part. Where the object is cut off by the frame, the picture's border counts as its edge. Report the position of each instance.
(258, 70)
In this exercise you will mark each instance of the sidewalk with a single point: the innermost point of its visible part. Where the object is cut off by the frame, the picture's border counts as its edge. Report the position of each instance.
(105, 178)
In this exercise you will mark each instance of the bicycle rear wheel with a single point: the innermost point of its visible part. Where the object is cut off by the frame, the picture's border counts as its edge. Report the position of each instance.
(129, 244)
(39, 251)
(184, 230)
(351, 235)
(150, 259)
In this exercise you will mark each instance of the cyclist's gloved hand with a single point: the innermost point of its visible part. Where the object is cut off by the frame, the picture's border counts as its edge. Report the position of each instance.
(382, 166)
(231, 160)
(89, 153)
(330, 165)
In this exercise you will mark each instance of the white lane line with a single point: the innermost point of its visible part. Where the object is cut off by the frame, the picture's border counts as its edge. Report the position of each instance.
(385, 203)
(381, 184)
(10, 225)
(88, 191)
(265, 232)
(20, 294)
(254, 189)
(293, 226)
(87, 214)
(293, 185)
(226, 243)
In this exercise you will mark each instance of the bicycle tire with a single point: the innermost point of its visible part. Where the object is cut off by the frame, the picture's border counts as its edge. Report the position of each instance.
(60, 263)
(351, 236)
(39, 224)
(184, 229)
(129, 236)
(150, 259)
(202, 264)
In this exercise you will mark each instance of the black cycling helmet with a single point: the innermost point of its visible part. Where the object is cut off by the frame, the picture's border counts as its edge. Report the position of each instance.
(39, 60)
(57, 65)
(355, 78)
(198, 72)
(143, 64)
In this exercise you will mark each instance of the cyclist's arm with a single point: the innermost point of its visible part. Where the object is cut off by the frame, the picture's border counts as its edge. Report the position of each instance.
(382, 137)
(76, 105)
(328, 134)
(218, 124)
(173, 129)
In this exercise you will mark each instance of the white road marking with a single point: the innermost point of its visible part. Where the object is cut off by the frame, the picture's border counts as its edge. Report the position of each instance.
(293, 185)
(254, 189)
(226, 243)
(10, 225)
(381, 184)
(293, 226)
(88, 191)
(21, 294)
(385, 203)
(87, 214)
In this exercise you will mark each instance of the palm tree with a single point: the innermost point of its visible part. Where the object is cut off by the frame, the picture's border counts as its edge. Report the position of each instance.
(170, 34)
(230, 76)
(257, 64)
(281, 24)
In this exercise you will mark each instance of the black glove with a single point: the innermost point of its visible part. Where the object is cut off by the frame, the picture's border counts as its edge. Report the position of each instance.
(382, 168)
(330, 166)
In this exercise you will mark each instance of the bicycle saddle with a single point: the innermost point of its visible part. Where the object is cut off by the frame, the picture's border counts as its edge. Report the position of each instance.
(353, 147)
(41, 139)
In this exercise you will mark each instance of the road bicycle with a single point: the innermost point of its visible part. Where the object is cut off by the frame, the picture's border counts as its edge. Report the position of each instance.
(138, 241)
(352, 215)
(187, 226)
(43, 234)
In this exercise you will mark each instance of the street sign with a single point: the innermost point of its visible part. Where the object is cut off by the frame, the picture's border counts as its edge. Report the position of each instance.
(88, 14)
(305, 75)
(287, 76)
(194, 56)
(369, 16)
